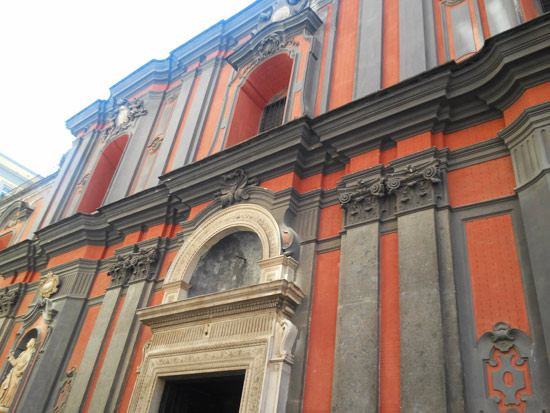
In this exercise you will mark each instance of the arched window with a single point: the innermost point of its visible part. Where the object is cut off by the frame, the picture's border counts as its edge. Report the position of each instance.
(262, 99)
(102, 175)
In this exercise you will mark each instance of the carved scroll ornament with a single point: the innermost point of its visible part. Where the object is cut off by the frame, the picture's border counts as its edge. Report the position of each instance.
(8, 298)
(235, 187)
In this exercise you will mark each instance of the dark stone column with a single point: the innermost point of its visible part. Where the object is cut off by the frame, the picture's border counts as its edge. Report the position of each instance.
(138, 269)
(368, 63)
(356, 356)
(68, 304)
(416, 185)
(528, 139)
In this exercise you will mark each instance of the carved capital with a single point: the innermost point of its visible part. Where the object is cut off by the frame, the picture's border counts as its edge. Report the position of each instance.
(8, 299)
(235, 187)
(364, 202)
(414, 186)
(135, 266)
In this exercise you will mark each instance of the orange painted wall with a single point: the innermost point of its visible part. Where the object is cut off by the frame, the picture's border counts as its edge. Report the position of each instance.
(344, 54)
(99, 364)
(474, 134)
(93, 252)
(481, 182)
(495, 275)
(214, 113)
(533, 96)
(331, 221)
(9, 343)
(323, 60)
(83, 337)
(390, 360)
(320, 357)
(168, 258)
(145, 335)
(390, 46)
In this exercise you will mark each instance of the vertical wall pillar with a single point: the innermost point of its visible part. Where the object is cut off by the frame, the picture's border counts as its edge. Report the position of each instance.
(356, 355)
(368, 64)
(422, 359)
(355, 380)
(69, 303)
(137, 268)
(528, 139)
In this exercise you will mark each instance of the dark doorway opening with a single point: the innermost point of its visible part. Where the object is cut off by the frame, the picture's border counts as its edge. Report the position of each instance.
(203, 393)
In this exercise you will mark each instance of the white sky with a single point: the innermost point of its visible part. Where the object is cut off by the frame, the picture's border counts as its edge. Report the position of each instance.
(58, 57)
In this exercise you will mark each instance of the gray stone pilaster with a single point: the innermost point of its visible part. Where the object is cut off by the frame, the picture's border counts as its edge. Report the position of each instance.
(329, 59)
(423, 384)
(196, 117)
(91, 354)
(368, 61)
(69, 304)
(449, 313)
(173, 127)
(355, 380)
(118, 357)
(129, 161)
(417, 46)
(528, 139)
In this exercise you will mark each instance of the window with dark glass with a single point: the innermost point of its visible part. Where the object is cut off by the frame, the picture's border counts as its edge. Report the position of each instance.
(272, 115)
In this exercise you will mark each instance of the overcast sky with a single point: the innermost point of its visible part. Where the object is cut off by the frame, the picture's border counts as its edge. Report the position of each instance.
(59, 56)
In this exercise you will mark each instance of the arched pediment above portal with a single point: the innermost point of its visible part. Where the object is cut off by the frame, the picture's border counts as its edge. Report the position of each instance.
(243, 217)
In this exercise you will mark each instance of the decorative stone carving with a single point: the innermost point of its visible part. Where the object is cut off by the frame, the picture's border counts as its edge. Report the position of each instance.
(235, 187)
(506, 356)
(363, 204)
(135, 266)
(280, 10)
(271, 45)
(8, 298)
(48, 285)
(9, 386)
(155, 144)
(19, 212)
(82, 183)
(414, 185)
(242, 329)
(248, 217)
(124, 115)
(64, 391)
(408, 188)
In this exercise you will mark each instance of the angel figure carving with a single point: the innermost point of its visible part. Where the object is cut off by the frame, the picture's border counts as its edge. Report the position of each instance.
(11, 382)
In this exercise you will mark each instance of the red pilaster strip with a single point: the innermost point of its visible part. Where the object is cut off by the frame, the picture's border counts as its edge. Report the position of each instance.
(390, 375)
(390, 48)
(320, 359)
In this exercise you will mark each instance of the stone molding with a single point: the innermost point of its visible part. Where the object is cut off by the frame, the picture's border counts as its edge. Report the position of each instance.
(247, 329)
(528, 139)
(244, 217)
(408, 184)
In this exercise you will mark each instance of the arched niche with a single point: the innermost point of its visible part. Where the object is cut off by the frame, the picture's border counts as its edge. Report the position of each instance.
(274, 264)
(103, 173)
(267, 84)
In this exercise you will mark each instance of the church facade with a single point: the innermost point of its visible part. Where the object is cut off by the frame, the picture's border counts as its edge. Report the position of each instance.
(312, 206)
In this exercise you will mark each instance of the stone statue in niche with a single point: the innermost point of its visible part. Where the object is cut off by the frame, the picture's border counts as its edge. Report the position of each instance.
(11, 382)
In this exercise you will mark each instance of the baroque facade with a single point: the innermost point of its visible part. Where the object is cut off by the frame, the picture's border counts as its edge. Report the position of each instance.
(325, 205)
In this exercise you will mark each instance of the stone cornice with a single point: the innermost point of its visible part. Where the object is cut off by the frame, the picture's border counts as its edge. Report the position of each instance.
(280, 294)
